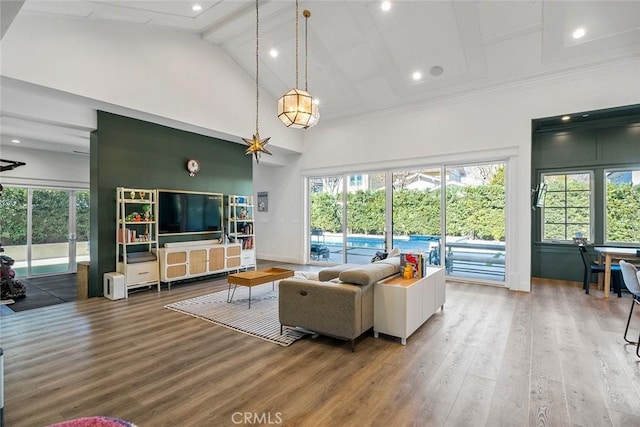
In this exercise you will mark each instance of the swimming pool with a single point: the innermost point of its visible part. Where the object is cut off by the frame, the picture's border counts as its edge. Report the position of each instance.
(377, 242)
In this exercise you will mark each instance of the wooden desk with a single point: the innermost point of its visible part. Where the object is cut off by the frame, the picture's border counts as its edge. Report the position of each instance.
(607, 254)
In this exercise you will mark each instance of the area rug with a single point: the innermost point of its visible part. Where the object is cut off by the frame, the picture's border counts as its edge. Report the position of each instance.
(260, 321)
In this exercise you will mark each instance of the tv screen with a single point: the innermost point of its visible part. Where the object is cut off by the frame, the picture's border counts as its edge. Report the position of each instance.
(187, 212)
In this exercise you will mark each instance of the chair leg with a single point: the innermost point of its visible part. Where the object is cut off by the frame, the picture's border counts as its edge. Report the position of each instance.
(585, 282)
(638, 347)
(617, 284)
(633, 302)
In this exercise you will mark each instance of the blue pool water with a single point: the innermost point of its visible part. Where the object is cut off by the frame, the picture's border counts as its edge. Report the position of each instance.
(377, 242)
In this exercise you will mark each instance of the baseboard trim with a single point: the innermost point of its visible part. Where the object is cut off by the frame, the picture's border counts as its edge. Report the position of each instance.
(545, 281)
(289, 260)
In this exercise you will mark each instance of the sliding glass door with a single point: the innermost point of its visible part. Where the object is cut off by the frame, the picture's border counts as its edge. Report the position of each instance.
(326, 218)
(353, 216)
(346, 217)
(416, 210)
(365, 217)
(45, 231)
(475, 221)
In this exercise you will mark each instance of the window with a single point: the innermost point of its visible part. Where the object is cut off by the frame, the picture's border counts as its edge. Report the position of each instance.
(567, 206)
(622, 205)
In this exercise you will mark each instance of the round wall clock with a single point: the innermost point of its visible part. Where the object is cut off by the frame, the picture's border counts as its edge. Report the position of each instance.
(193, 166)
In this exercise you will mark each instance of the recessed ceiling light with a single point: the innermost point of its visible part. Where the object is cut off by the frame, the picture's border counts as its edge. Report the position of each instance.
(15, 141)
(417, 75)
(385, 5)
(566, 118)
(273, 53)
(579, 33)
(316, 101)
(196, 8)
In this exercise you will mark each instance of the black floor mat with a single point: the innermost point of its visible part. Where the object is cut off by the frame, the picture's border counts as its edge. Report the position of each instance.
(46, 291)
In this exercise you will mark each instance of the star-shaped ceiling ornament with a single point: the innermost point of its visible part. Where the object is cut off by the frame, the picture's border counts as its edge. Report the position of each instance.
(256, 146)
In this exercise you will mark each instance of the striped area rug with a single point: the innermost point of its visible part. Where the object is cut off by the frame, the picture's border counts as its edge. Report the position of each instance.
(261, 321)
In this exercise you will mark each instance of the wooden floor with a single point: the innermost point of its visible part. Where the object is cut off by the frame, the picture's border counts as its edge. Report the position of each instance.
(493, 357)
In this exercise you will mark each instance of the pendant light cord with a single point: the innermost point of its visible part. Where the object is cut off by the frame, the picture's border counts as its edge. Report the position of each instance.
(297, 2)
(257, 67)
(306, 46)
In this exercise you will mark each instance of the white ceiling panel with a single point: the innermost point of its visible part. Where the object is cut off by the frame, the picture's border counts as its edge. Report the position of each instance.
(357, 62)
(501, 18)
(361, 58)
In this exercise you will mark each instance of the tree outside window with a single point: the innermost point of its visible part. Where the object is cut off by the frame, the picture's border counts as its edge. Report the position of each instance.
(622, 206)
(567, 206)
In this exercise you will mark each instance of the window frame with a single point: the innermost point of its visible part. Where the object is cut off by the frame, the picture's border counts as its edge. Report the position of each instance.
(605, 224)
(592, 206)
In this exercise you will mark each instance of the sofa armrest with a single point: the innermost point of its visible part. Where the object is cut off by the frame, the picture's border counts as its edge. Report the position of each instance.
(325, 307)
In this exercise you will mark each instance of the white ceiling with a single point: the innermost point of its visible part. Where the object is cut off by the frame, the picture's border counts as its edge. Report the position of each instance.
(361, 59)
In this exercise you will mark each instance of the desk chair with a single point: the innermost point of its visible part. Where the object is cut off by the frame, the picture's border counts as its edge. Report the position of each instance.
(631, 279)
(591, 267)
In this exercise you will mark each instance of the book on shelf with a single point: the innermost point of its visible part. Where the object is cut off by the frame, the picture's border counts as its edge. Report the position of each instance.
(126, 235)
(247, 243)
(417, 262)
(247, 229)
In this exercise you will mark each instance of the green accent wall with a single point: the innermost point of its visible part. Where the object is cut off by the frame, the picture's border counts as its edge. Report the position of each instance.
(604, 139)
(126, 152)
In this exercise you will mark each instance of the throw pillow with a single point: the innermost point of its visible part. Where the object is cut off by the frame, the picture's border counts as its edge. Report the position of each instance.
(379, 256)
(394, 252)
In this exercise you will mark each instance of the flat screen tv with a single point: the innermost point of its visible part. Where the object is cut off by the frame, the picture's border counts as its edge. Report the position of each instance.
(184, 212)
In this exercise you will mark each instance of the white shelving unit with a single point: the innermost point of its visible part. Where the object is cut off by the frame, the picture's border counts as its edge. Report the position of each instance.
(240, 228)
(137, 237)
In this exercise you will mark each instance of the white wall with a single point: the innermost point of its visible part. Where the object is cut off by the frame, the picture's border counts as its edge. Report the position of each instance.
(164, 73)
(474, 127)
(46, 168)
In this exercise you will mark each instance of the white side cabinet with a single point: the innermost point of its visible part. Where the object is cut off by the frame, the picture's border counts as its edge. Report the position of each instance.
(402, 305)
(185, 260)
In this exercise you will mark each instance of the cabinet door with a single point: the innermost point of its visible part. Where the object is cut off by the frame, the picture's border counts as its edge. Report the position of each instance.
(197, 261)
(176, 265)
(414, 302)
(216, 259)
(429, 296)
(233, 262)
(233, 250)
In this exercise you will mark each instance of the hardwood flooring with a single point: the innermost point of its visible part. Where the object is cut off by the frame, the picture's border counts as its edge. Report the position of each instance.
(493, 357)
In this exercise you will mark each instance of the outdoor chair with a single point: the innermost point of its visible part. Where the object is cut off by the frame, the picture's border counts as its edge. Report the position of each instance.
(631, 278)
(591, 267)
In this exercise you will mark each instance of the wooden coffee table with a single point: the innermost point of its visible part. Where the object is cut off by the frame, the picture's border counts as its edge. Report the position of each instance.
(254, 278)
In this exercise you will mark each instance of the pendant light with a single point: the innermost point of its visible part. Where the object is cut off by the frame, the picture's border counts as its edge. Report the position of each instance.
(295, 108)
(257, 145)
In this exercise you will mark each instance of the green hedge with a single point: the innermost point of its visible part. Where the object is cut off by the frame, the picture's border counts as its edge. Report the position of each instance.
(475, 211)
(50, 215)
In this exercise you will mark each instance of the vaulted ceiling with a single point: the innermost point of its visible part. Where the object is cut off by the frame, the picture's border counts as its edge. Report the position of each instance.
(362, 59)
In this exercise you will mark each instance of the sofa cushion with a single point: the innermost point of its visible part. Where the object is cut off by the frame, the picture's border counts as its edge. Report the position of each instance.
(368, 274)
(394, 261)
(330, 273)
